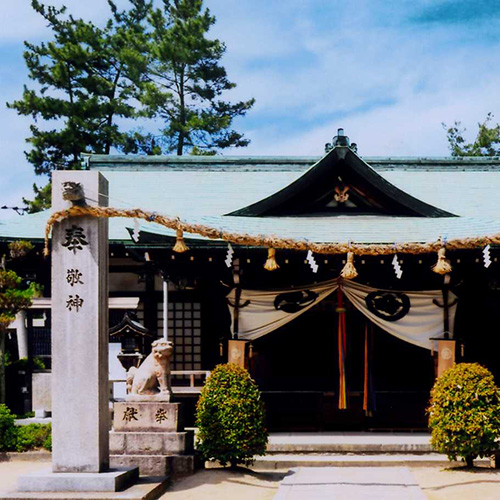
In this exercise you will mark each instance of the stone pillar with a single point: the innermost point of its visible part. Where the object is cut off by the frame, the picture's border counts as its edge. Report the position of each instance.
(22, 334)
(80, 331)
(80, 394)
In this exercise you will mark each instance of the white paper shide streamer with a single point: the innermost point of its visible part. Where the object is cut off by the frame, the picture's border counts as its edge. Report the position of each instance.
(229, 255)
(397, 267)
(312, 262)
(136, 231)
(486, 256)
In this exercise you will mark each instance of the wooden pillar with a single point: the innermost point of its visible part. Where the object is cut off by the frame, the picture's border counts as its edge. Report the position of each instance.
(150, 300)
(237, 353)
(446, 355)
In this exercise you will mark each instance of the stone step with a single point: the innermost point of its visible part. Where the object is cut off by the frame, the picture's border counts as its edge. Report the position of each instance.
(279, 462)
(358, 443)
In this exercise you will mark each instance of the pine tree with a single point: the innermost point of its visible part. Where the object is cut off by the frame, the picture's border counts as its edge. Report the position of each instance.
(87, 78)
(185, 81)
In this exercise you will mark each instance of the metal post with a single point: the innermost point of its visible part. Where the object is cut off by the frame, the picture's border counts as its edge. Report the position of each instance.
(165, 308)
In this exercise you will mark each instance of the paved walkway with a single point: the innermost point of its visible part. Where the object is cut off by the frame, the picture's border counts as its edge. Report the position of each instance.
(360, 483)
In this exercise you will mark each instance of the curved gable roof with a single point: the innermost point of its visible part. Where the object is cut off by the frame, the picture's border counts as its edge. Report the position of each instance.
(341, 170)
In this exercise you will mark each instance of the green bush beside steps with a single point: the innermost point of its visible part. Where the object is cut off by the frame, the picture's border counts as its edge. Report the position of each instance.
(230, 417)
(464, 413)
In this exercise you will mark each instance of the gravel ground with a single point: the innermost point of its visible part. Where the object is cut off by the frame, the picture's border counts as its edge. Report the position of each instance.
(220, 484)
(479, 483)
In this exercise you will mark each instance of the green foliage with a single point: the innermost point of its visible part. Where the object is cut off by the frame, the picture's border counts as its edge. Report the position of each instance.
(22, 437)
(20, 248)
(38, 364)
(87, 80)
(185, 81)
(22, 363)
(144, 63)
(42, 199)
(13, 298)
(33, 436)
(8, 430)
(88, 77)
(230, 417)
(47, 444)
(464, 413)
(487, 142)
(28, 414)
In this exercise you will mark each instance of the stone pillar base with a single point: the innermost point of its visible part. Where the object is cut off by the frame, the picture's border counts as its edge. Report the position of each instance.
(175, 466)
(150, 435)
(46, 480)
(150, 443)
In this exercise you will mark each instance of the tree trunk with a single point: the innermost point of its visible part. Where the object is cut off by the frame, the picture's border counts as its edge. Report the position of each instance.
(469, 461)
(2, 367)
(182, 114)
(180, 144)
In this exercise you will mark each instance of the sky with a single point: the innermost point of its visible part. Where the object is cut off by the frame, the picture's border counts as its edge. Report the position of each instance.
(389, 72)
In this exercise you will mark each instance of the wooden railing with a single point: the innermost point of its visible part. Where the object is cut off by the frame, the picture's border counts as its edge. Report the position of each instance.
(192, 374)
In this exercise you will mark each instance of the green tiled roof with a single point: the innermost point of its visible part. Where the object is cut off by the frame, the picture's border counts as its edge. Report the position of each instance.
(203, 189)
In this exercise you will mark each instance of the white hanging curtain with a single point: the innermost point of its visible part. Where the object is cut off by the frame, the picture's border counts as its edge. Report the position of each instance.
(262, 311)
(410, 316)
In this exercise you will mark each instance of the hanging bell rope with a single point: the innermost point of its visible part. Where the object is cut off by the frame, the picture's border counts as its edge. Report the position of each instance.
(271, 264)
(180, 244)
(442, 265)
(349, 271)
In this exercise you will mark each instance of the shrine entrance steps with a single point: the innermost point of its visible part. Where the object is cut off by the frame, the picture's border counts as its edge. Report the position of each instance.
(349, 442)
(349, 449)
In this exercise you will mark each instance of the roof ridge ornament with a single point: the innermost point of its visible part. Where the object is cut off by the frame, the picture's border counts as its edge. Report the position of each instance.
(341, 140)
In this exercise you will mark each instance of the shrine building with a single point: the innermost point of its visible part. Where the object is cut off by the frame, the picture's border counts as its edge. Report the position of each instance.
(316, 273)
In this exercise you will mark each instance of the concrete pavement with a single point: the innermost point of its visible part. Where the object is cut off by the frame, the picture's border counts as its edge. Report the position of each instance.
(360, 483)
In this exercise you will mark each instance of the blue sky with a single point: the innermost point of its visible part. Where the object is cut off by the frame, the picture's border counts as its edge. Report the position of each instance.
(389, 72)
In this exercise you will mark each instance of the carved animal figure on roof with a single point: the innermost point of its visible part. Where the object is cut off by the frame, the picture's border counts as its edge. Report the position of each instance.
(152, 378)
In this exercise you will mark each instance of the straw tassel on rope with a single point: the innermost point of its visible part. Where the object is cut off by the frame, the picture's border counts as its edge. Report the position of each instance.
(271, 264)
(442, 266)
(180, 244)
(349, 271)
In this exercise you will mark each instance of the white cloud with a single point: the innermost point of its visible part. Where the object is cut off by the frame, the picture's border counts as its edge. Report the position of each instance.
(412, 127)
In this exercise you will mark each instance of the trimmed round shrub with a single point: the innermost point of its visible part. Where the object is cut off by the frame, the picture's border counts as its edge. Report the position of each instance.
(230, 417)
(464, 413)
(8, 429)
